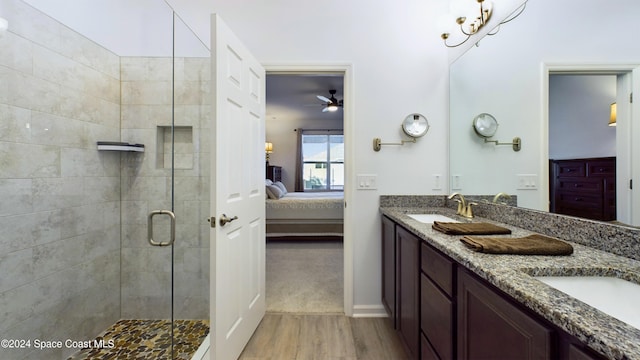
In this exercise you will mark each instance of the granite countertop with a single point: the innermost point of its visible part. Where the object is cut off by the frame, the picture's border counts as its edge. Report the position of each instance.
(513, 275)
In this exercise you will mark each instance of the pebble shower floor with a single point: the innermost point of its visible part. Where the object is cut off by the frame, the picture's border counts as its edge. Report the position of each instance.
(149, 339)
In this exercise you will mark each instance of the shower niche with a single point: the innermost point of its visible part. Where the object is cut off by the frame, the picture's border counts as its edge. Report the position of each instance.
(183, 147)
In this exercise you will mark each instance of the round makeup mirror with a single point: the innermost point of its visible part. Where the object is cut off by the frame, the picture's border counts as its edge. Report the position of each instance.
(485, 125)
(415, 125)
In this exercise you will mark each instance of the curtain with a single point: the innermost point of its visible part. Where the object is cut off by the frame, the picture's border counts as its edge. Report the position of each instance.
(299, 186)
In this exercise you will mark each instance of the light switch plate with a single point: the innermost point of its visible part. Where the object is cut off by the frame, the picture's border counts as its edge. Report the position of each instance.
(437, 182)
(527, 182)
(367, 181)
(456, 182)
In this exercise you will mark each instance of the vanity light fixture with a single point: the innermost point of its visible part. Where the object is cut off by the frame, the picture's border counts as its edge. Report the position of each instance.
(613, 116)
(480, 21)
(485, 126)
(472, 26)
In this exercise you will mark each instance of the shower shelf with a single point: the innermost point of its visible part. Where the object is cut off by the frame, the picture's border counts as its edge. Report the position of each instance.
(119, 146)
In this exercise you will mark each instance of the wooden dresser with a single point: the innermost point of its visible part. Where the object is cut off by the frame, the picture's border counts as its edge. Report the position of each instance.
(274, 173)
(583, 187)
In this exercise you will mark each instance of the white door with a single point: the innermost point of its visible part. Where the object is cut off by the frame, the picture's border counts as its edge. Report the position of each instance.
(237, 175)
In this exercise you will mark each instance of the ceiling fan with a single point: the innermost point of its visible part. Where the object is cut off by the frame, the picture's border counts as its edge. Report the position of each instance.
(332, 104)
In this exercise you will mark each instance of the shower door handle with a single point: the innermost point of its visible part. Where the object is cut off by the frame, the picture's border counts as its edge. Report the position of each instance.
(150, 227)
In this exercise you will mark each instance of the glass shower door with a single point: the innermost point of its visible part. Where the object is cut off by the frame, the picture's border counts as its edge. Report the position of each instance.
(165, 280)
(190, 185)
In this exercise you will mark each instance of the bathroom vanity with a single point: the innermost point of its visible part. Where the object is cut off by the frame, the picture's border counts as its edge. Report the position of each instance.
(449, 302)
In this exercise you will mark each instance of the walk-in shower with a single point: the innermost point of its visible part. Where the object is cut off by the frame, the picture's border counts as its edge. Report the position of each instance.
(80, 278)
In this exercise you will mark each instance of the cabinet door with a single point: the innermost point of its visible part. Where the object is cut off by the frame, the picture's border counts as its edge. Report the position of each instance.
(436, 318)
(490, 327)
(389, 268)
(408, 289)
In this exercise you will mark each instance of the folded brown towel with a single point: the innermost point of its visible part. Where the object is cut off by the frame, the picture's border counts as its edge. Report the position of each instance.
(529, 245)
(469, 228)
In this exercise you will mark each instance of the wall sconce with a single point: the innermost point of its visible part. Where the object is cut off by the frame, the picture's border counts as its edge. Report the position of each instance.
(268, 149)
(613, 116)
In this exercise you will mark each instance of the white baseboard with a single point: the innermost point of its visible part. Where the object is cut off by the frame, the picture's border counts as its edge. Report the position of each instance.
(369, 311)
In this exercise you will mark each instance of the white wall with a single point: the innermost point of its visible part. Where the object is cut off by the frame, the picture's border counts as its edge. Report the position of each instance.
(579, 109)
(503, 76)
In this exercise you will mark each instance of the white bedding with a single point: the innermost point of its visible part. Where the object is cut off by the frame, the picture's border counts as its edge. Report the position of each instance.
(305, 214)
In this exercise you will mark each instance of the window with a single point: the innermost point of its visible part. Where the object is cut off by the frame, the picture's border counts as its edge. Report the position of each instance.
(322, 160)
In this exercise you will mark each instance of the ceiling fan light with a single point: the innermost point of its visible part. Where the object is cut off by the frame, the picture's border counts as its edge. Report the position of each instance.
(332, 107)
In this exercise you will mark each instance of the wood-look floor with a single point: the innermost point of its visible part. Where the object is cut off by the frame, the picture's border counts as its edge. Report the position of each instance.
(326, 336)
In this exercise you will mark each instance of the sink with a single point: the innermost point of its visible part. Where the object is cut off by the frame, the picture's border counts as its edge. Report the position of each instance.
(616, 297)
(430, 218)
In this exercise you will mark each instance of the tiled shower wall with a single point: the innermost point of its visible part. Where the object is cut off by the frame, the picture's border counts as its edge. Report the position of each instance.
(146, 186)
(59, 196)
(61, 239)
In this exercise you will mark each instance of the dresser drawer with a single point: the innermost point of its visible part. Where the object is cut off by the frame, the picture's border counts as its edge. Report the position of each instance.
(601, 168)
(571, 169)
(437, 267)
(577, 200)
(578, 185)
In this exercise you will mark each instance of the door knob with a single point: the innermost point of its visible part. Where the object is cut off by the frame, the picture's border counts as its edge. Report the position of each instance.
(224, 219)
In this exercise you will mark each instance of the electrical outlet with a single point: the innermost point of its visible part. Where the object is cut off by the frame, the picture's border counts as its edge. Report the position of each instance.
(527, 181)
(367, 182)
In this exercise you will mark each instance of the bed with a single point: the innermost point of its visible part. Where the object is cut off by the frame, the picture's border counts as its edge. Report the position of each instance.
(300, 215)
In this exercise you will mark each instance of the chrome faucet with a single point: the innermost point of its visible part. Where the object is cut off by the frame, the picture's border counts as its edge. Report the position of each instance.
(499, 195)
(464, 208)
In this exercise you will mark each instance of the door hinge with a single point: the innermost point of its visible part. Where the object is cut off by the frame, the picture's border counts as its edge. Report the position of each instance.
(630, 184)
(212, 221)
(631, 98)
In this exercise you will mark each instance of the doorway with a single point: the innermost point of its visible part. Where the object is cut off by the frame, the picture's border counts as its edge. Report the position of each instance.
(296, 98)
(579, 102)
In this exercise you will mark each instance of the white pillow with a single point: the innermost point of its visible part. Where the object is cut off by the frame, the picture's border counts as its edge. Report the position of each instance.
(281, 186)
(268, 182)
(274, 192)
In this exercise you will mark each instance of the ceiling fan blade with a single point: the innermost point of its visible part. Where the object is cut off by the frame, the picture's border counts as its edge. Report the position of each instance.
(323, 98)
(325, 109)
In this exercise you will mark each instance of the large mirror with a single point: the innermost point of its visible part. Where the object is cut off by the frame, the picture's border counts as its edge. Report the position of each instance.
(508, 76)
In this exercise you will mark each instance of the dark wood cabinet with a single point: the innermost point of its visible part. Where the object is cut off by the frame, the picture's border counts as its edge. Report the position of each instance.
(389, 268)
(490, 327)
(274, 173)
(441, 310)
(437, 303)
(408, 289)
(583, 187)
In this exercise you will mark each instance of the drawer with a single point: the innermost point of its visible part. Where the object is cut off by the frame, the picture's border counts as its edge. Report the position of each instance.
(580, 185)
(579, 200)
(436, 318)
(571, 169)
(437, 267)
(601, 168)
